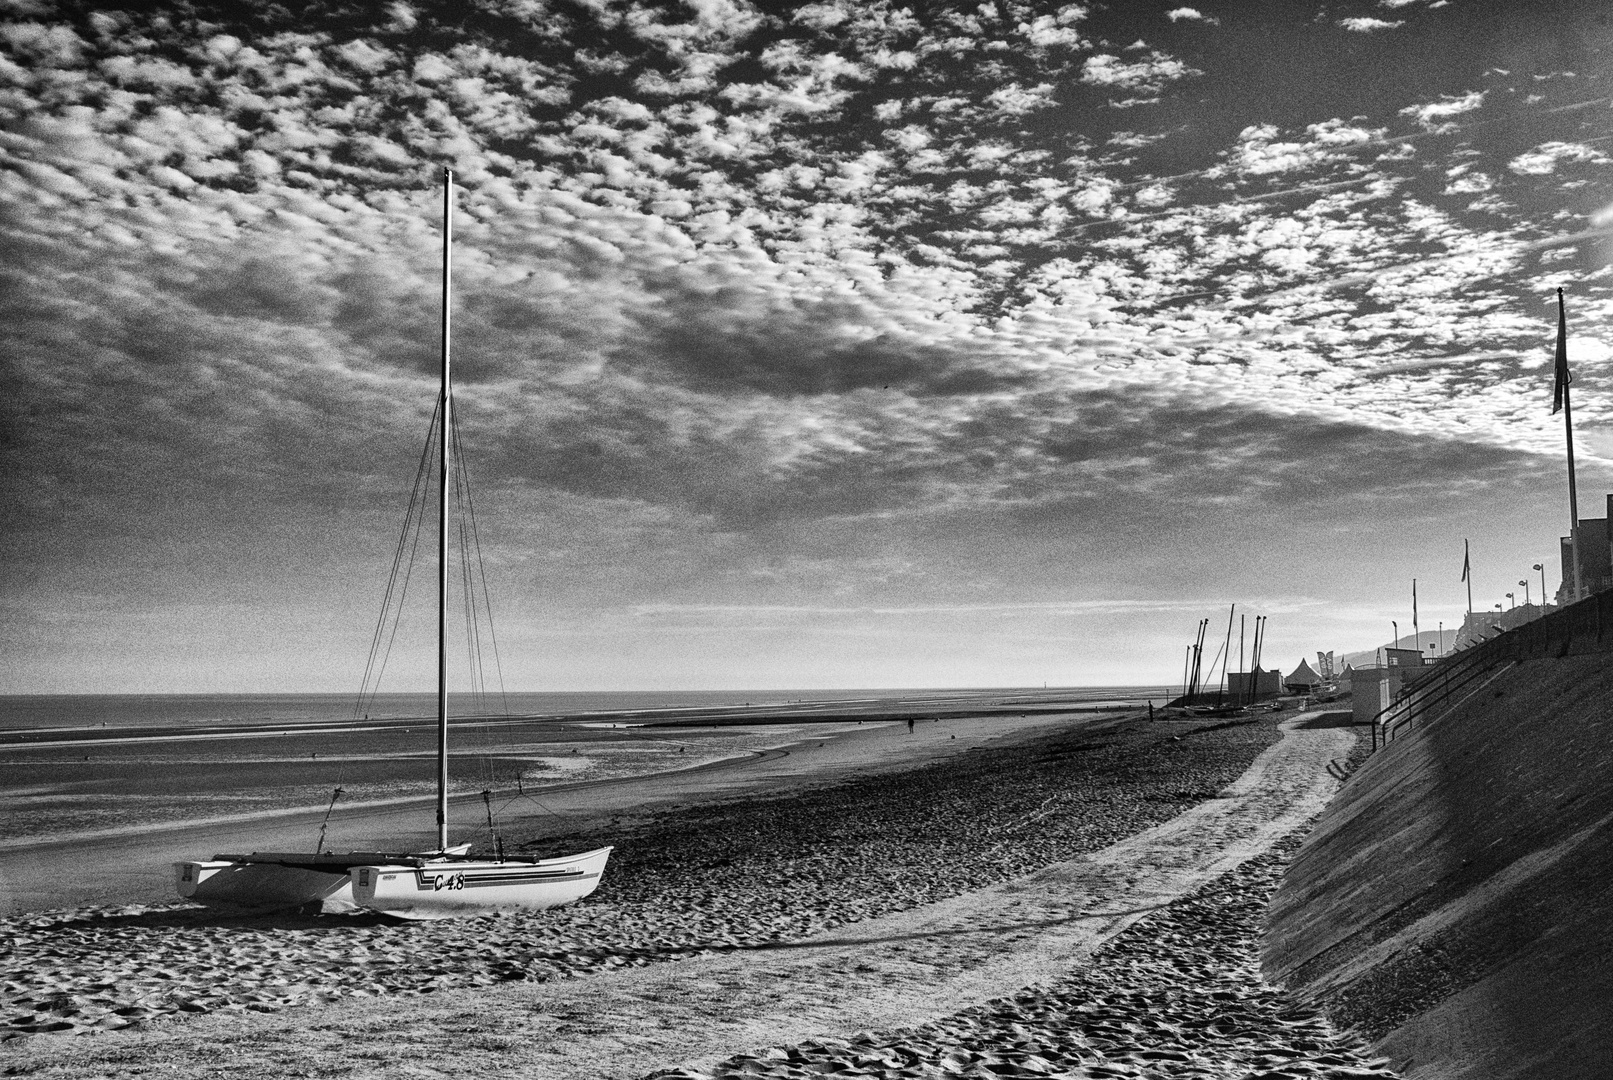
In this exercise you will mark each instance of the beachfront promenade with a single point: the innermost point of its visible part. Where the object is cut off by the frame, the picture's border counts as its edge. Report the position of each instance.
(1119, 870)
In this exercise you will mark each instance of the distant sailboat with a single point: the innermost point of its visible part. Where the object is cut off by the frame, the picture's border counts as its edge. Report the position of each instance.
(442, 883)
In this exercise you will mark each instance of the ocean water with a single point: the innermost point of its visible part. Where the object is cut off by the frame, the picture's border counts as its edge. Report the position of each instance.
(35, 712)
(78, 766)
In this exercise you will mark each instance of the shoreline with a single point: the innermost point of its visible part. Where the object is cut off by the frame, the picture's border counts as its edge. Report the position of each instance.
(304, 813)
(132, 864)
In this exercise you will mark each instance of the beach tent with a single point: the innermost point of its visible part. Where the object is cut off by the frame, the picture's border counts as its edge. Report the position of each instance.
(1303, 679)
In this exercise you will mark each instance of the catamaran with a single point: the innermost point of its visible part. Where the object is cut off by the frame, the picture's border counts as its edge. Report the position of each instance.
(445, 882)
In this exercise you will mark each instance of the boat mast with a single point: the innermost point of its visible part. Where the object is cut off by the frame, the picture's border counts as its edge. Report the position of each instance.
(447, 405)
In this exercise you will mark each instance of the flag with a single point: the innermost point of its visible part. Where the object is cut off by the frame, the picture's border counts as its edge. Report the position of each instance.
(1559, 388)
(1466, 568)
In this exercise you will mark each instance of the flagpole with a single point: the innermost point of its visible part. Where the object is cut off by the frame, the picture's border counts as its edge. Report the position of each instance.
(1467, 576)
(1563, 381)
(1414, 631)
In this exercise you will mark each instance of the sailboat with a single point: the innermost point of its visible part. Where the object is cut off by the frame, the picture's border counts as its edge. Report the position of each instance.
(445, 882)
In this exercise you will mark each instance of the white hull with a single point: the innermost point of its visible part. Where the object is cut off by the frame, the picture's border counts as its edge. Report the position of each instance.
(250, 887)
(461, 887)
(280, 881)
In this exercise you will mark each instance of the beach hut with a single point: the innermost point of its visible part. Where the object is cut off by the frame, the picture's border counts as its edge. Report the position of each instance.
(1265, 684)
(1302, 680)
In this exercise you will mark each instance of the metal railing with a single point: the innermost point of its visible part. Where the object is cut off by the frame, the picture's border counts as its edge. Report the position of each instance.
(1579, 629)
(1435, 694)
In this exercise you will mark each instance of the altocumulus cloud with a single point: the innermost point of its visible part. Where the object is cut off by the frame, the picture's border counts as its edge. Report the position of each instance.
(725, 267)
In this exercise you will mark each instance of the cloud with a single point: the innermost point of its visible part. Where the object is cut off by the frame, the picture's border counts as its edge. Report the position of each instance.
(1544, 159)
(1190, 14)
(1261, 150)
(1367, 24)
(1015, 100)
(1149, 74)
(1468, 184)
(1434, 114)
(1056, 31)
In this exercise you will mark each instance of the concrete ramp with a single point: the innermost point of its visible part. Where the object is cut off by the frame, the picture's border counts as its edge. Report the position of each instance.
(1455, 901)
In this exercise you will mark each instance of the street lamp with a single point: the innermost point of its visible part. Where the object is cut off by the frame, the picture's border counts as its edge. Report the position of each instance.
(1514, 602)
(1542, 570)
(1525, 584)
(1396, 625)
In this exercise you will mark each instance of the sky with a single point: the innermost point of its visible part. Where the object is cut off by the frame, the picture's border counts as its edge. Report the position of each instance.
(843, 344)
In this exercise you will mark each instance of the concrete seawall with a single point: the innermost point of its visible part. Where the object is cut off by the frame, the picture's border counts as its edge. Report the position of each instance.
(1455, 901)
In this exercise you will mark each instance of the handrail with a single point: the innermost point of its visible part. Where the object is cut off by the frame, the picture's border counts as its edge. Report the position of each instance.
(1446, 675)
(1420, 704)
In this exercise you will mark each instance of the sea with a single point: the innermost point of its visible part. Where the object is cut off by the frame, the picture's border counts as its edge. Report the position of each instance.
(43, 712)
(77, 767)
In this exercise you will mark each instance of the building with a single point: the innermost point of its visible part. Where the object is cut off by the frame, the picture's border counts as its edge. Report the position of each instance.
(1373, 688)
(1371, 691)
(1595, 558)
(1478, 626)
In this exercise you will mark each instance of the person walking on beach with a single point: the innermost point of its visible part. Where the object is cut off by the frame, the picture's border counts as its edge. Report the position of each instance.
(910, 725)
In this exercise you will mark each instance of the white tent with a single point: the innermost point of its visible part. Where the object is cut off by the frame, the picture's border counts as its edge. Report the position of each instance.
(1303, 679)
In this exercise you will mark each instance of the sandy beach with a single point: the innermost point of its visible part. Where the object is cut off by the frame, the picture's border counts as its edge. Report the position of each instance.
(876, 919)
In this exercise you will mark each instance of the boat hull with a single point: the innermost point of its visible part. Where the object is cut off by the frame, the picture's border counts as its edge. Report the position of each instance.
(466, 887)
(265, 882)
(254, 887)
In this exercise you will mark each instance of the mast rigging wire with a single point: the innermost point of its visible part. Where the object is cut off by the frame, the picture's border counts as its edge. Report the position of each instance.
(412, 519)
(480, 569)
(476, 597)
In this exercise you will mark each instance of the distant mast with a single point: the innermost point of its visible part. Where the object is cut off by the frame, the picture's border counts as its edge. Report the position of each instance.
(1226, 655)
(442, 522)
(1245, 694)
